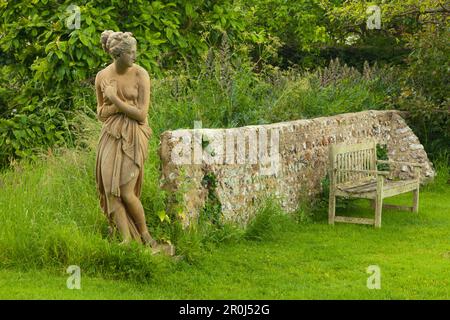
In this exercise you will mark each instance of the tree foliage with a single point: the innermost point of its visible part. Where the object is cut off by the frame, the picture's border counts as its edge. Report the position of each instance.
(47, 68)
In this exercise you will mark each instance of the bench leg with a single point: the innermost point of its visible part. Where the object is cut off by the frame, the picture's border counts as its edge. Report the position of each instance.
(378, 209)
(415, 207)
(331, 208)
(379, 201)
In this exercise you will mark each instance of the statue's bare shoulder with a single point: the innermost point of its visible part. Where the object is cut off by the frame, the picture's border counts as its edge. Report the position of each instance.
(100, 75)
(105, 73)
(141, 72)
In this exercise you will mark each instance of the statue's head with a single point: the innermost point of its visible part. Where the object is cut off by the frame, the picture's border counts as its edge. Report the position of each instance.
(120, 45)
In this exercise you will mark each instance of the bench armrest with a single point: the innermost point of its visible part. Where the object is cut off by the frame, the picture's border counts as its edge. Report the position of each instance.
(377, 172)
(413, 164)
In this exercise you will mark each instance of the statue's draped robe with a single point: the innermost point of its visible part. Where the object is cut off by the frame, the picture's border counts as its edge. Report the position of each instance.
(121, 152)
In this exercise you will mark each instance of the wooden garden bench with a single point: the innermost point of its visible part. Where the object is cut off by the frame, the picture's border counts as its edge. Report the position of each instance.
(353, 174)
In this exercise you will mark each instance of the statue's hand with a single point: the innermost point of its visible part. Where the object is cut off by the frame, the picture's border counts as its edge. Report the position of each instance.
(110, 92)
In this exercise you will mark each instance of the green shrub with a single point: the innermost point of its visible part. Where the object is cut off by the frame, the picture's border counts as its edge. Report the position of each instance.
(442, 167)
(268, 222)
(425, 88)
(47, 69)
(333, 90)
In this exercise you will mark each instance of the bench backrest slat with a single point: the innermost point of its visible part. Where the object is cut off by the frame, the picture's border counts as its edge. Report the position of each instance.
(360, 156)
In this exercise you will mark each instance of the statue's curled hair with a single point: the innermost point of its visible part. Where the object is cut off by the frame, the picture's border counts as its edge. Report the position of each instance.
(115, 43)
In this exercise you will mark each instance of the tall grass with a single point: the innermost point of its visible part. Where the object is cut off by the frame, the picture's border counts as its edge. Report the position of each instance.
(269, 221)
(50, 218)
(244, 97)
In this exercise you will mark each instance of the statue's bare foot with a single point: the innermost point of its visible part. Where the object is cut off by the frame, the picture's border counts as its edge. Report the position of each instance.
(165, 248)
(148, 240)
(156, 247)
(111, 232)
(168, 249)
(124, 242)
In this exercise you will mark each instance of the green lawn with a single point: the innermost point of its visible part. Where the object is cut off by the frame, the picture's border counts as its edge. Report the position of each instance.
(309, 261)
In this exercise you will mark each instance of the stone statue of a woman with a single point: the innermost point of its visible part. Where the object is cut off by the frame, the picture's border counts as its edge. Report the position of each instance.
(123, 98)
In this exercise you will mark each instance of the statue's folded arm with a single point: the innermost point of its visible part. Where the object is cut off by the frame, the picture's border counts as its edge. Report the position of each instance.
(105, 111)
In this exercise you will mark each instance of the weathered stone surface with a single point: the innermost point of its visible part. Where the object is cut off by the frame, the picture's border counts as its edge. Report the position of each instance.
(286, 160)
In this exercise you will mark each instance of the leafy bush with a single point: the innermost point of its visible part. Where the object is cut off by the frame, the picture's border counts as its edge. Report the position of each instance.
(335, 89)
(204, 49)
(47, 69)
(268, 222)
(425, 89)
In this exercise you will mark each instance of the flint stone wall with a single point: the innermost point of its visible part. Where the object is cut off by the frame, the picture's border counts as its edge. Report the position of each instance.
(286, 160)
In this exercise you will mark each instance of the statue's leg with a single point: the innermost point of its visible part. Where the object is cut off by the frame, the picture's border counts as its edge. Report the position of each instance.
(136, 210)
(120, 218)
